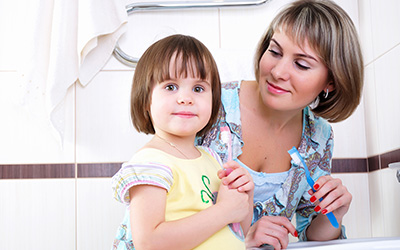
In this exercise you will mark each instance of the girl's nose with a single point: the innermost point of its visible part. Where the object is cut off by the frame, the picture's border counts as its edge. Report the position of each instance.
(280, 71)
(185, 99)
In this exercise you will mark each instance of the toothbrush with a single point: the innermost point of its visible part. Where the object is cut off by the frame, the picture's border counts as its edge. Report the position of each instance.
(226, 138)
(296, 157)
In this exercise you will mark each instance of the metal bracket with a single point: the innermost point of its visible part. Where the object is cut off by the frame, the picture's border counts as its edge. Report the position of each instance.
(131, 8)
(396, 166)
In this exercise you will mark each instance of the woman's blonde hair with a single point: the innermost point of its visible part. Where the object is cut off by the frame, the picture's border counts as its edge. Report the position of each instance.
(331, 33)
(153, 67)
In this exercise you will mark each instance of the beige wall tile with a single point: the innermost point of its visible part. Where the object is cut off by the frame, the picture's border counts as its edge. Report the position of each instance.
(388, 103)
(357, 220)
(26, 135)
(98, 214)
(376, 204)
(37, 214)
(104, 132)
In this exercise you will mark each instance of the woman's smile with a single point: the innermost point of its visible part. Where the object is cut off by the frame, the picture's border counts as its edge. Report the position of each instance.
(274, 89)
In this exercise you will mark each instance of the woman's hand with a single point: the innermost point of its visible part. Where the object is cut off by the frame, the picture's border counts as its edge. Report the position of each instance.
(236, 177)
(271, 230)
(336, 197)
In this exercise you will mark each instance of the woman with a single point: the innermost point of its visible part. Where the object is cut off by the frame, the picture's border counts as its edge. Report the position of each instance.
(309, 71)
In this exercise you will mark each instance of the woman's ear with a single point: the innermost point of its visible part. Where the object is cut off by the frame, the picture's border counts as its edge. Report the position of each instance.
(330, 87)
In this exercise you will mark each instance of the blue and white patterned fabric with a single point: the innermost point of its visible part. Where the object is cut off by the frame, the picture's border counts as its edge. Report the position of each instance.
(290, 196)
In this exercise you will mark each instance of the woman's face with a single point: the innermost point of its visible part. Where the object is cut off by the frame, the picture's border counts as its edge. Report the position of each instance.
(291, 77)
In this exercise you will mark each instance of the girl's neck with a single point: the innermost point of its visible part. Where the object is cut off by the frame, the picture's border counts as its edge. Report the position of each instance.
(181, 147)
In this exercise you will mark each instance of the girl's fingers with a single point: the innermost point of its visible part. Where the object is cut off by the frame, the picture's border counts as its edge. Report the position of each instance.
(236, 177)
(242, 183)
(232, 175)
(231, 164)
(221, 173)
(246, 187)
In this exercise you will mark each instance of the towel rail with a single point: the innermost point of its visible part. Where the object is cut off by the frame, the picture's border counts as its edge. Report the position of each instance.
(131, 8)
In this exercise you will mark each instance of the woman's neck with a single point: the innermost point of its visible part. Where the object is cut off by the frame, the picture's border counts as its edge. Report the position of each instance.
(277, 120)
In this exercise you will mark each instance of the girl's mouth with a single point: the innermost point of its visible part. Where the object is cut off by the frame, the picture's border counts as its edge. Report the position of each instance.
(184, 114)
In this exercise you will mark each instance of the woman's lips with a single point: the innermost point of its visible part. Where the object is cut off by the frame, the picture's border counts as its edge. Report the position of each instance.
(275, 89)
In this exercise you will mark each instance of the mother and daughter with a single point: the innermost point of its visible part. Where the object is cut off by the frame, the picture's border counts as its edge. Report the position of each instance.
(182, 189)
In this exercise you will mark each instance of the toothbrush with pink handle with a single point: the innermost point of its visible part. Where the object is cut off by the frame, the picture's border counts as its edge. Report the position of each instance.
(226, 138)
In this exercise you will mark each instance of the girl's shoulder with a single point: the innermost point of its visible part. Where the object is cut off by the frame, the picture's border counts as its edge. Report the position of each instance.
(210, 153)
(147, 167)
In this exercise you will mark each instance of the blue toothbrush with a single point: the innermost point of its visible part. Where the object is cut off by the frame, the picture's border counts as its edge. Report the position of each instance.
(296, 157)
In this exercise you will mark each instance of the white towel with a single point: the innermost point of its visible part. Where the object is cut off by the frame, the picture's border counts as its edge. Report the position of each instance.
(68, 41)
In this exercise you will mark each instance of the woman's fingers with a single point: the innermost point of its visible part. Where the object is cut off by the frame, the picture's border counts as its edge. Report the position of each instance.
(335, 196)
(272, 230)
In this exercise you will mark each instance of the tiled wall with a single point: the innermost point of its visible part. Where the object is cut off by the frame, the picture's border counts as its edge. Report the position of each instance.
(380, 33)
(57, 196)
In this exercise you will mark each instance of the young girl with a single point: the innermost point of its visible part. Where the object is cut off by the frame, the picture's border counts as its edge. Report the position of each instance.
(170, 185)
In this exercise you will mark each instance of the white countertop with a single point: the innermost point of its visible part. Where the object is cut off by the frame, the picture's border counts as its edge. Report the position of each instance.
(348, 244)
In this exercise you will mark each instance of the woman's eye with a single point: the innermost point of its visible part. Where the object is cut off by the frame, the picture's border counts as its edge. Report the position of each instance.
(302, 66)
(273, 52)
(170, 87)
(198, 89)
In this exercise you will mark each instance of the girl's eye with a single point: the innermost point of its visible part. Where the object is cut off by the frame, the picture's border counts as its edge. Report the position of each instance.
(198, 89)
(170, 87)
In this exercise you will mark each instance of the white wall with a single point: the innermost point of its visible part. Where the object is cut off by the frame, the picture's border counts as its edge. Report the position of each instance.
(380, 33)
(98, 127)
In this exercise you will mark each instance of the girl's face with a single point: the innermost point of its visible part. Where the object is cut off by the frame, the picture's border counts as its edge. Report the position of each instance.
(291, 77)
(181, 106)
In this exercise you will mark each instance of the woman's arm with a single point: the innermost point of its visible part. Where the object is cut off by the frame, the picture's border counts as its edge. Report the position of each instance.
(151, 231)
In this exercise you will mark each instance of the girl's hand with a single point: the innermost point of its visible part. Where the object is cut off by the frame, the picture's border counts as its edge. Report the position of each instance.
(272, 230)
(336, 197)
(236, 177)
(236, 204)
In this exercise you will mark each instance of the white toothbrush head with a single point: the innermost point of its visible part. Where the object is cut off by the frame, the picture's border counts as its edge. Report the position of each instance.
(227, 139)
(225, 134)
(294, 154)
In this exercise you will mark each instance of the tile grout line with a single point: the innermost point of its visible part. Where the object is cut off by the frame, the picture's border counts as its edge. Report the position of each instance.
(76, 173)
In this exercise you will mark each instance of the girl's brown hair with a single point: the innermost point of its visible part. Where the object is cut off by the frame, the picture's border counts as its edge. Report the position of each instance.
(331, 33)
(153, 67)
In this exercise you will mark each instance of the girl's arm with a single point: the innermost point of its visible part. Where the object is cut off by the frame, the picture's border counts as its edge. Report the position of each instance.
(151, 231)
